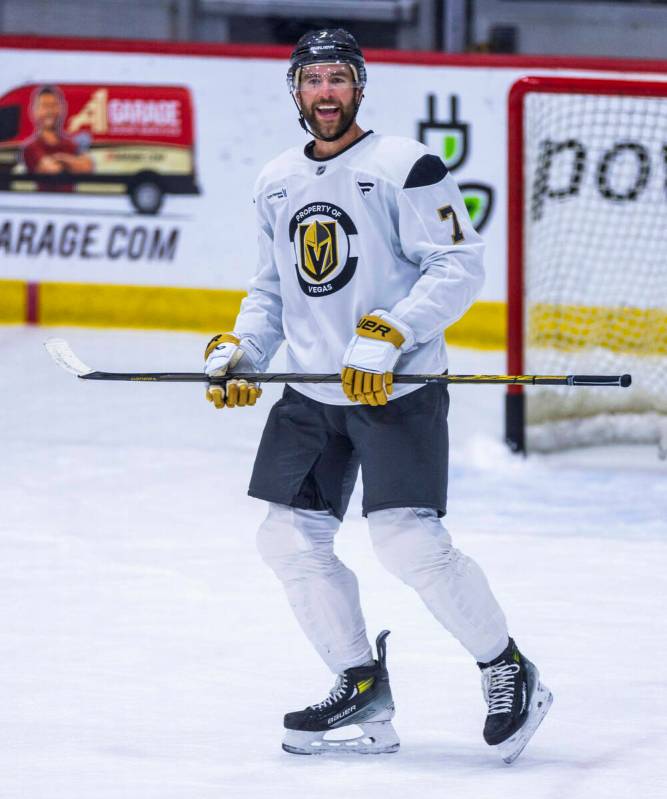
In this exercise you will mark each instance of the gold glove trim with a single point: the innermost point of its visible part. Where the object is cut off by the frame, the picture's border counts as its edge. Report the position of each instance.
(238, 394)
(375, 327)
(368, 388)
(221, 338)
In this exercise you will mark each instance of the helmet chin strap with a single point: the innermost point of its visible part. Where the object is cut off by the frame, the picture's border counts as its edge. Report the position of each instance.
(340, 134)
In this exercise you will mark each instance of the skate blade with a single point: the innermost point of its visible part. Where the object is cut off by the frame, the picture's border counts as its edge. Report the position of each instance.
(539, 707)
(369, 738)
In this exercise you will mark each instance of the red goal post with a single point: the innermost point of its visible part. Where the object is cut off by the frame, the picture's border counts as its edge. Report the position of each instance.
(585, 157)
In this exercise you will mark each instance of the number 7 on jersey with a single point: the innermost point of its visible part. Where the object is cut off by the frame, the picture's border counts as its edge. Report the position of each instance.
(444, 213)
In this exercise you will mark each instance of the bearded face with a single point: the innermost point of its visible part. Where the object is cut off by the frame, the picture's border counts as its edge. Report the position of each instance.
(48, 112)
(328, 96)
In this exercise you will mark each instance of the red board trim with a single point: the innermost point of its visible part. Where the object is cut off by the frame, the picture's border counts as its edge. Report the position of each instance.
(515, 182)
(32, 303)
(214, 50)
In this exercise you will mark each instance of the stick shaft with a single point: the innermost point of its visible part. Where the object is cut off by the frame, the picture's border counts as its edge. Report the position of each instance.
(63, 355)
(287, 377)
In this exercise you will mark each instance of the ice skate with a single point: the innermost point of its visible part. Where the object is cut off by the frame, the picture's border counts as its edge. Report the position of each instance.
(354, 718)
(516, 699)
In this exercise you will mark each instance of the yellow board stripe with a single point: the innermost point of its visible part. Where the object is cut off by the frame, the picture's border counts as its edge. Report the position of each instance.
(137, 306)
(483, 327)
(171, 308)
(636, 331)
(569, 328)
(13, 301)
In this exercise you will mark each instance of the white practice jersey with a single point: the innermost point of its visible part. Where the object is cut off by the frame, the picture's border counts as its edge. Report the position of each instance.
(380, 225)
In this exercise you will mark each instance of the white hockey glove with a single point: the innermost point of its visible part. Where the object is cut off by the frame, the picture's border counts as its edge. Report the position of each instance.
(371, 355)
(222, 354)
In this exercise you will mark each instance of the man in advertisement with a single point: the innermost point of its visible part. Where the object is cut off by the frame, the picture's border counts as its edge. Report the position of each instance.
(50, 151)
(366, 254)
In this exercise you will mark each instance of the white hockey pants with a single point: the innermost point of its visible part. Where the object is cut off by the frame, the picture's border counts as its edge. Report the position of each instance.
(323, 593)
(412, 544)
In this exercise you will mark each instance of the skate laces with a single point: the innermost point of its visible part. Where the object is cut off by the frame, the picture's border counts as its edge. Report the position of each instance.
(498, 684)
(335, 694)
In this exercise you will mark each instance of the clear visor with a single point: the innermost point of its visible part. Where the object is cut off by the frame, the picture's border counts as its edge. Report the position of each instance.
(337, 76)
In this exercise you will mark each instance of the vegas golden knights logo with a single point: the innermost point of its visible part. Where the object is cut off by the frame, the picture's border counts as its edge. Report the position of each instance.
(318, 243)
(323, 238)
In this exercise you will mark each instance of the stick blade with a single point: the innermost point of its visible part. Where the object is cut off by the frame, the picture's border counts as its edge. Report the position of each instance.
(62, 354)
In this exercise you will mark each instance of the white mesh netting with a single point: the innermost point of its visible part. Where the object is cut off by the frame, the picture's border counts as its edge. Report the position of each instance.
(595, 265)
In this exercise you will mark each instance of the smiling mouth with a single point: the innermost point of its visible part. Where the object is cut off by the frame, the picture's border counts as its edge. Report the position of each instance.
(327, 112)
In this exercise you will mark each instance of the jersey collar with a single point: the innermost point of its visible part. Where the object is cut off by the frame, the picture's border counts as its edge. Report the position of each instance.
(308, 149)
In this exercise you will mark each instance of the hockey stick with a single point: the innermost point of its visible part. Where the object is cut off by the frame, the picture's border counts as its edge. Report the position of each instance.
(63, 355)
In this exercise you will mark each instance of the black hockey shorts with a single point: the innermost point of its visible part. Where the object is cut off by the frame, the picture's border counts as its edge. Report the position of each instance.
(310, 453)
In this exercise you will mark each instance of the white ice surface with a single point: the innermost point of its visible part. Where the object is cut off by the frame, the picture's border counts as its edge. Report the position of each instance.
(147, 653)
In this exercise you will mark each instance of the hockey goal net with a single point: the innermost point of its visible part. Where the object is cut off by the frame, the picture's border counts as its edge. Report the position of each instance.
(587, 283)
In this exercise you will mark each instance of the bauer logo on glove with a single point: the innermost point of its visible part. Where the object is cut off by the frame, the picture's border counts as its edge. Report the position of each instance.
(371, 355)
(374, 327)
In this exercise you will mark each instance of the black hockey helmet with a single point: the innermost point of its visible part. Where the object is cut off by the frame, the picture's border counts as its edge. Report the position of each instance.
(326, 46)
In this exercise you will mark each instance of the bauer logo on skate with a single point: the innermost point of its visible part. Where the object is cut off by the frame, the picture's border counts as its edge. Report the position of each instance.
(342, 714)
(322, 237)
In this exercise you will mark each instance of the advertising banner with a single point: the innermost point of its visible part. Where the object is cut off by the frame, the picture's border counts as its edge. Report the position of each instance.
(121, 169)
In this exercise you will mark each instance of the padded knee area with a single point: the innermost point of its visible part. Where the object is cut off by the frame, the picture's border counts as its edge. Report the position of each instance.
(296, 543)
(412, 544)
(322, 592)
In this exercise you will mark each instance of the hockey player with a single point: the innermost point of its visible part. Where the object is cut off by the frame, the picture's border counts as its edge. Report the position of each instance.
(366, 255)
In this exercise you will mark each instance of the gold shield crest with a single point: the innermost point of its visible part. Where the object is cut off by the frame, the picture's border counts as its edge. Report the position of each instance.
(318, 244)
